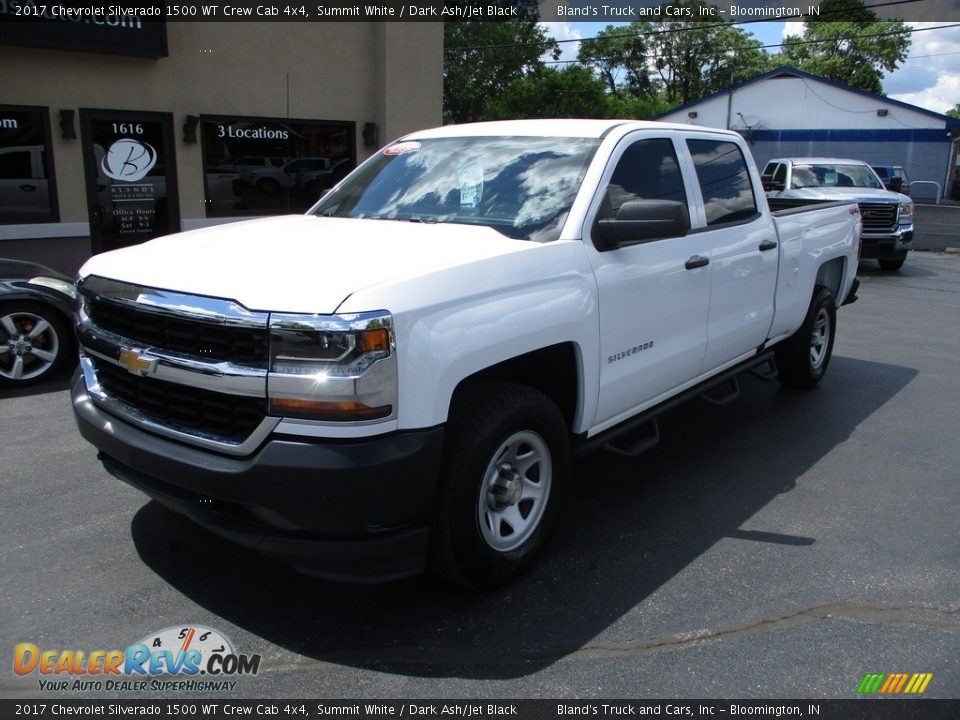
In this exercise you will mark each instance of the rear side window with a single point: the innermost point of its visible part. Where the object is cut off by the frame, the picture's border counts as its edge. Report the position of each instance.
(647, 170)
(724, 181)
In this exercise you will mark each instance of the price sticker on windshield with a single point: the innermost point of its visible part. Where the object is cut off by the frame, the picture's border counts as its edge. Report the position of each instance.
(401, 148)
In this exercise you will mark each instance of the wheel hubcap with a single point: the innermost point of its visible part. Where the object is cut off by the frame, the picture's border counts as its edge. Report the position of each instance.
(516, 486)
(28, 346)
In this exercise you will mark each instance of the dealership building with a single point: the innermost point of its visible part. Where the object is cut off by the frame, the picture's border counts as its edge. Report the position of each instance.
(116, 131)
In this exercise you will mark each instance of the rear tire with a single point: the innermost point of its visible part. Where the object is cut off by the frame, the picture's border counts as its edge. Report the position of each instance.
(802, 359)
(892, 264)
(505, 470)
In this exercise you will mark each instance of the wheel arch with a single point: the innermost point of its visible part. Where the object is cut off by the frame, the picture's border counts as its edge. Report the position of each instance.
(555, 371)
(831, 275)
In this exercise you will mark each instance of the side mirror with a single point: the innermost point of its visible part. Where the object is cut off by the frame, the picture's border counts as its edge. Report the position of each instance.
(895, 184)
(640, 221)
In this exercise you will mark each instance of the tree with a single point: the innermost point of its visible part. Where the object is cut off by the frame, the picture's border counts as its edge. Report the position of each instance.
(695, 58)
(678, 60)
(848, 44)
(552, 93)
(614, 50)
(955, 113)
(482, 58)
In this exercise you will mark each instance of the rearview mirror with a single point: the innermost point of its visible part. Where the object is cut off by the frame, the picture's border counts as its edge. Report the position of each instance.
(640, 221)
(895, 184)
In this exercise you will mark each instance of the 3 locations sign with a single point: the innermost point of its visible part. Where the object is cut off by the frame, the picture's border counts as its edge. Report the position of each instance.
(124, 29)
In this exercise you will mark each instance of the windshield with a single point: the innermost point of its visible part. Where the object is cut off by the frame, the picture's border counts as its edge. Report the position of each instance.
(522, 187)
(823, 175)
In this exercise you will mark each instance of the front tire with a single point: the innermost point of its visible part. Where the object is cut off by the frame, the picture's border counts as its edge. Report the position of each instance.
(505, 470)
(802, 359)
(33, 342)
(892, 264)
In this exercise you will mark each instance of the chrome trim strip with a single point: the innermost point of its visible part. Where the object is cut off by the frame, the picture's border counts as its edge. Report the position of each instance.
(223, 377)
(166, 302)
(334, 323)
(135, 417)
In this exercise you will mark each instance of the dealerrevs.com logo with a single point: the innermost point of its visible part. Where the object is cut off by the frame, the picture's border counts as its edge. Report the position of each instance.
(179, 655)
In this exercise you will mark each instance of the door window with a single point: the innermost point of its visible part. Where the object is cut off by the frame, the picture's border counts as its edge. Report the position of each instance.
(647, 170)
(724, 181)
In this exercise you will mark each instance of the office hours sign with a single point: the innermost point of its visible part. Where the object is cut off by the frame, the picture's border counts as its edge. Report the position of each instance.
(131, 184)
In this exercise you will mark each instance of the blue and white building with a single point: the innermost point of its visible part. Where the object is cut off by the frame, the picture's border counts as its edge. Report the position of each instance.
(787, 113)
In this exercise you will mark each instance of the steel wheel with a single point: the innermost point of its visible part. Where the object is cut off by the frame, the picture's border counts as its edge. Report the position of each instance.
(515, 490)
(29, 345)
(819, 339)
(506, 462)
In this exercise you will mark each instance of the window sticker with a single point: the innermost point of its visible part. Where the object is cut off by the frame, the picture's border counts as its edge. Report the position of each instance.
(470, 178)
(401, 148)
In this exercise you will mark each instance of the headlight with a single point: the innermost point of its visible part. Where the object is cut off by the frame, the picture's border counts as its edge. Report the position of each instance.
(334, 368)
(906, 209)
(55, 284)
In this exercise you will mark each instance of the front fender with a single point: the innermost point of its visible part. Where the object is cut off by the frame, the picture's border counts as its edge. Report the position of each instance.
(456, 322)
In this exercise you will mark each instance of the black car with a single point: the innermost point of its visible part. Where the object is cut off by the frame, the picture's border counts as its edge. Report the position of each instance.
(36, 322)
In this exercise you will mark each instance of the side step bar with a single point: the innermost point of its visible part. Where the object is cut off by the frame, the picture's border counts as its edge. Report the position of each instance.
(641, 432)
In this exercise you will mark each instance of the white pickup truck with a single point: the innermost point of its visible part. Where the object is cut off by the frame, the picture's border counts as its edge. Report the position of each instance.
(397, 379)
(886, 215)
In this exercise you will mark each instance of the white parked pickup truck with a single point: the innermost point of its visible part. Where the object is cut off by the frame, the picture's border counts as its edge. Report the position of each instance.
(887, 216)
(397, 379)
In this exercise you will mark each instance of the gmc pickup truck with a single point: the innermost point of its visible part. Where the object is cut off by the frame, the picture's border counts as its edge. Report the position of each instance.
(887, 216)
(397, 380)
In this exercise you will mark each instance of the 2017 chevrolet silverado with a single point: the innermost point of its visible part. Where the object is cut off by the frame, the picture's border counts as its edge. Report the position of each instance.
(398, 378)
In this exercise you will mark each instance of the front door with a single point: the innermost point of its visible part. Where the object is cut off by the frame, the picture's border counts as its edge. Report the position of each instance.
(130, 177)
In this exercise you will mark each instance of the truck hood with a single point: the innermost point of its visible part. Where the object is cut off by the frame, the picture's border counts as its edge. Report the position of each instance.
(299, 263)
(864, 195)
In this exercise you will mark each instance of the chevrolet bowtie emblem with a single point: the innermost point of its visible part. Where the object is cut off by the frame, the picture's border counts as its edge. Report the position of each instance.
(136, 363)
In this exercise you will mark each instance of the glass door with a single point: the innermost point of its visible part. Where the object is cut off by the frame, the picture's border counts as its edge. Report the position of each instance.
(130, 176)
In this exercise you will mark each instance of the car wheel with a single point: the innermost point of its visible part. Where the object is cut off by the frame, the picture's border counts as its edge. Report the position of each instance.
(506, 463)
(33, 342)
(892, 264)
(802, 359)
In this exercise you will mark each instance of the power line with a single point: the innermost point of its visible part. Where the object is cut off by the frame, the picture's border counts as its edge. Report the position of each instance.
(614, 36)
(784, 44)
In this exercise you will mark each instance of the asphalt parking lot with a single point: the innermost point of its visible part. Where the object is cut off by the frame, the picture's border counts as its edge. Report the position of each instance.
(780, 546)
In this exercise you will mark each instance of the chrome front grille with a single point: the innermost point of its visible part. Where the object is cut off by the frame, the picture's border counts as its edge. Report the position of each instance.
(201, 339)
(190, 410)
(189, 367)
(878, 216)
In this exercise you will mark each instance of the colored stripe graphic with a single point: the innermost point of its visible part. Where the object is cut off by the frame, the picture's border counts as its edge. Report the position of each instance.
(871, 683)
(894, 683)
(918, 683)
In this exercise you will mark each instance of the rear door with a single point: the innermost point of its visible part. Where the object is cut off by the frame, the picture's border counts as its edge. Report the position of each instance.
(743, 249)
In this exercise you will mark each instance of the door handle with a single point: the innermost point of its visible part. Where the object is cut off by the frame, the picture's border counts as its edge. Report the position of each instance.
(28, 188)
(696, 261)
(768, 245)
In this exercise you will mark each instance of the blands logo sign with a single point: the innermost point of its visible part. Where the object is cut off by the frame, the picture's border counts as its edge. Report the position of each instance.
(894, 683)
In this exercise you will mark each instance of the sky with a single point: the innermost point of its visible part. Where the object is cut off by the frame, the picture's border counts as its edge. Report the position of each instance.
(928, 78)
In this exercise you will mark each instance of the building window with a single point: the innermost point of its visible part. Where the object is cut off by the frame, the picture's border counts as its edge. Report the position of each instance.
(27, 189)
(270, 166)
